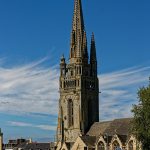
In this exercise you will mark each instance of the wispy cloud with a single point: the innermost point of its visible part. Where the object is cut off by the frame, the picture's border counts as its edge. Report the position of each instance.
(34, 89)
(23, 124)
(119, 91)
(29, 88)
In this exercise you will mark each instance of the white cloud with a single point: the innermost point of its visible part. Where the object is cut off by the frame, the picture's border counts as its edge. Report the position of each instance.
(19, 124)
(119, 91)
(29, 89)
(23, 124)
(32, 88)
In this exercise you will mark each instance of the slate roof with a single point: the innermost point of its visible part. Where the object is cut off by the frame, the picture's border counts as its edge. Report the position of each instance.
(117, 126)
(34, 146)
(37, 146)
(98, 128)
(22, 145)
(108, 129)
(89, 141)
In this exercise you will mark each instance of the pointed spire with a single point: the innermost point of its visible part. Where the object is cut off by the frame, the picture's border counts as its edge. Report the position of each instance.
(93, 50)
(62, 59)
(78, 34)
(78, 21)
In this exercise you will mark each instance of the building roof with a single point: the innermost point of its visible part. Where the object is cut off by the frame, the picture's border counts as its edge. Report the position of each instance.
(110, 128)
(37, 146)
(33, 146)
(89, 140)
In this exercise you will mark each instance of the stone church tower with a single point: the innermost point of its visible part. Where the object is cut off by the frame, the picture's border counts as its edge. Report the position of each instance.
(79, 85)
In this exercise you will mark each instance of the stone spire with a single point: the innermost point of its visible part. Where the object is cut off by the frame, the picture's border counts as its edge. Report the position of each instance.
(78, 48)
(93, 50)
(78, 85)
(78, 21)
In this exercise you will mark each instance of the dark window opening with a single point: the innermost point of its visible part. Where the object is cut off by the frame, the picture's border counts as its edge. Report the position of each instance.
(70, 113)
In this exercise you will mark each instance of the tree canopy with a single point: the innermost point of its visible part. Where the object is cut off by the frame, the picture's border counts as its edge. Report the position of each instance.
(141, 120)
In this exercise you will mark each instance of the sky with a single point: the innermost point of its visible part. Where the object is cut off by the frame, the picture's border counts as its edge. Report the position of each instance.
(33, 36)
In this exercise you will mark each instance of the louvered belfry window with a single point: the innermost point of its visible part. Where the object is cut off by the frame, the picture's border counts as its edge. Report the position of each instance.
(70, 113)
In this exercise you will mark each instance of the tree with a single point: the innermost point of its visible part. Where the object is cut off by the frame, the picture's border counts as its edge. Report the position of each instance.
(141, 120)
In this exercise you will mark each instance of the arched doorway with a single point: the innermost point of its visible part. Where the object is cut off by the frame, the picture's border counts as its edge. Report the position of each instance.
(130, 145)
(116, 145)
(101, 146)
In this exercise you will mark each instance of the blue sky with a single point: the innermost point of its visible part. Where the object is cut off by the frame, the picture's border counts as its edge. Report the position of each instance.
(33, 36)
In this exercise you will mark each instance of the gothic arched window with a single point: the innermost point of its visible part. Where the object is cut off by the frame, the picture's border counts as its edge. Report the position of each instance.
(130, 145)
(70, 112)
(73, 37)
(116, 145)
(101, 146)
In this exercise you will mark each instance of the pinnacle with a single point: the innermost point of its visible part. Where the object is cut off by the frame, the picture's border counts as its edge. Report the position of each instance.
(92, 37)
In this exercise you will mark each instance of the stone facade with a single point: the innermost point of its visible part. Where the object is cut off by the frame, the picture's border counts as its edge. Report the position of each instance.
(87, 143)
(78, 119)
(110, 135)
(114, 134)
(1, 140)
(79, 86)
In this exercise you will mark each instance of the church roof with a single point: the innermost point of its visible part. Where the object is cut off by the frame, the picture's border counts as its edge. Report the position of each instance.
(89, 140)
(98, 128)
(117, 126)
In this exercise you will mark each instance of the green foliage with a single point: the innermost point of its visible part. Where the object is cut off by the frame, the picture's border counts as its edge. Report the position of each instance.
(141, 120)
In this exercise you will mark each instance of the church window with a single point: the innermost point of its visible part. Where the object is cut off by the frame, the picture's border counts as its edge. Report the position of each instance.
(130, 145)
(70, 112)
(77, 82)
(77, 70)
(64, 84)
(116, 145)
(101, 146)
(85, 148)
(71, 72)
(80, 70)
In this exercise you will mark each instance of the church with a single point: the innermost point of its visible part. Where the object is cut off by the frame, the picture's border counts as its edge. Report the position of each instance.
(78, 117)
